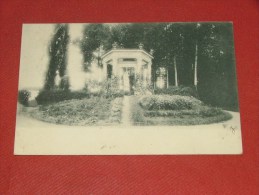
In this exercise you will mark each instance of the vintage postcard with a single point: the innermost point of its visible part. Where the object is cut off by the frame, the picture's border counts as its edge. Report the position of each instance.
(128, 89)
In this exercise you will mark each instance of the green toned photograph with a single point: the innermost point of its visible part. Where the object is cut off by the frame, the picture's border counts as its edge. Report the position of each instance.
(128, 88)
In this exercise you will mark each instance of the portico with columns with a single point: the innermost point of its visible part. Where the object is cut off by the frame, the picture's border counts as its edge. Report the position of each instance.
(127, 65)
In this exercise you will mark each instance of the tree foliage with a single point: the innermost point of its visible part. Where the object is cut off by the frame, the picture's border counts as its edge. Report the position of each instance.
(57, 57)
(94, 35)
(215, 53)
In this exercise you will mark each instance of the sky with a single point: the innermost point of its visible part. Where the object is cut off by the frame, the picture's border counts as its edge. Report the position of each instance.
(75, 59)
(34, 56)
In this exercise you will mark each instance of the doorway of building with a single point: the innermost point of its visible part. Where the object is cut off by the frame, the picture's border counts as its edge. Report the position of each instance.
(129, 80)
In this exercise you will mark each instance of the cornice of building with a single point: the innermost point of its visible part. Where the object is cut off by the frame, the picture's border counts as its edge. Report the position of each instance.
(127, 50)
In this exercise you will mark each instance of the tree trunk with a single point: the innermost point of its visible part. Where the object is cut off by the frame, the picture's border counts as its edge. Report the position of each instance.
(196, 66)
(175, 73)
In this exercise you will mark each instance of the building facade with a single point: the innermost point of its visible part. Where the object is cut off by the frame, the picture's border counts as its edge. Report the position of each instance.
(128, 65)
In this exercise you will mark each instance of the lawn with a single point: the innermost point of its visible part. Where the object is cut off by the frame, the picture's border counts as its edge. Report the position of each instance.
(173, 110)
(88, 111)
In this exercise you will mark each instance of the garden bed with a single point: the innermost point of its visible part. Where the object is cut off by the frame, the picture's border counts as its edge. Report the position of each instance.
(88, 111)
(174, 110)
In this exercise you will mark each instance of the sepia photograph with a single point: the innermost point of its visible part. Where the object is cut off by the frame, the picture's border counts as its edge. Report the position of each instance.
(128, 89)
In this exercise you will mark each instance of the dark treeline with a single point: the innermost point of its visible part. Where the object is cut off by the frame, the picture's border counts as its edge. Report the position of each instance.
(199, 55)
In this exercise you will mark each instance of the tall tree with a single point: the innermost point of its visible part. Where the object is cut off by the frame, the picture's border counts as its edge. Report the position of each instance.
(57, 57)
(94, 35)
(195, 82)
(173, 46)
(217, 84)
(205, 49)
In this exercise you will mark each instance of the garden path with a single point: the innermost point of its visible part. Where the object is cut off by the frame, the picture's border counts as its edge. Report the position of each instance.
(126, 111)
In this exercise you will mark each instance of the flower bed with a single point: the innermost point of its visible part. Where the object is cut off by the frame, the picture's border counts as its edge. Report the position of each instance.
(174, 110)
(88, 111)
(168, 102)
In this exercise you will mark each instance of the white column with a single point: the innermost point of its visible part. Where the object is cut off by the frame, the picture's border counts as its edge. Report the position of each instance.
(138, 66)
(120, 75)
(104, 71)
(115, 65)
(149, 72)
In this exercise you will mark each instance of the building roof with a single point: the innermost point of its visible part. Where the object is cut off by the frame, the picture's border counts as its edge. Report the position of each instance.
(127, 50)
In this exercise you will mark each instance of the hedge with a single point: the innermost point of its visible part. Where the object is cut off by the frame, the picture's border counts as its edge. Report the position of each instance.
(52, 96)
(181, 90)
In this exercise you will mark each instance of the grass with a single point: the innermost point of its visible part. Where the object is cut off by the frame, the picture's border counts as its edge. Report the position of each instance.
(145, 111)
(88, 111)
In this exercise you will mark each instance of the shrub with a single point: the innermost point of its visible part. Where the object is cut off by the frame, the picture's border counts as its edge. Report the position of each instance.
(32, 103)
(107, 88)
(23, 97)
(64, 83)
(78, 94)
(141, 87)
(94, 87)
(52, 96)
(111, 88)
(181, 90)
(168, 102)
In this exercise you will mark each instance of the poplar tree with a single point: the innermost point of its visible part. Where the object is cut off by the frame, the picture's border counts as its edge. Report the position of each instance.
(58, 58)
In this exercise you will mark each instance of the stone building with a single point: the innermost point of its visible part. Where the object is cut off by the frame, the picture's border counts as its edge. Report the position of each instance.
(127, 65)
